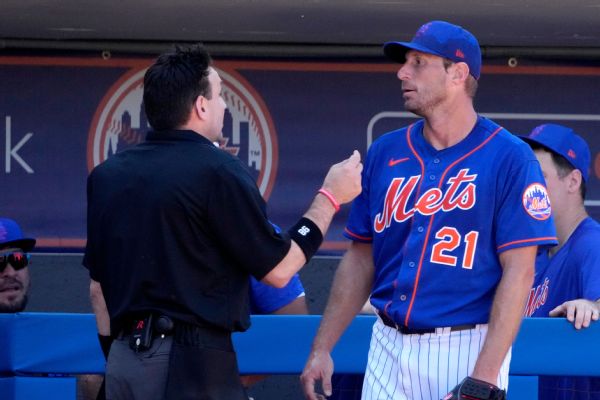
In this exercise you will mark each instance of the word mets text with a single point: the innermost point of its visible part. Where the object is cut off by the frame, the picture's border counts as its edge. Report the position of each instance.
(459, 194)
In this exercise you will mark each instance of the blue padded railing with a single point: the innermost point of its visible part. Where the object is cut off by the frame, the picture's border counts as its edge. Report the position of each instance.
(40, 352)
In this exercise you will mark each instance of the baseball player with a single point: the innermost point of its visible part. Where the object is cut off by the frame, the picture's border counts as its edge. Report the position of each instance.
(14, 273)
(265, 299)
(290, 299)
(567, 280)
(444, 237)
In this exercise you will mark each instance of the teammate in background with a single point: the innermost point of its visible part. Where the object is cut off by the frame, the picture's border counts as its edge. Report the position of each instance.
(567, 280)
(444, 237)
(290, 299)
(15, 283)
(175, 229)
(265, 299)
(14, 273)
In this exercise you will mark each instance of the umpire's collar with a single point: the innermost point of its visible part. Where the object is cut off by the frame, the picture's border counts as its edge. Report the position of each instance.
(176, 136)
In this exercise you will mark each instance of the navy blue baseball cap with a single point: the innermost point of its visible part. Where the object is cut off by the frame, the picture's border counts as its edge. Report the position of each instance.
(564, 142)
(12, 236)
(441, 39)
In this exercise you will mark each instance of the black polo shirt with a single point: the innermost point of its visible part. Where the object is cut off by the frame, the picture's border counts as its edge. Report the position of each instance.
(176, 225)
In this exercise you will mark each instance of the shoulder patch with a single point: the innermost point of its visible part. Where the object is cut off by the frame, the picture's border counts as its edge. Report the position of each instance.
(536, 201)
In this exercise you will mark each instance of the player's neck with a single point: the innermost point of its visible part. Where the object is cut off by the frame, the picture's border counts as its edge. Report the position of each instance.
(447, 127)
(566, 223)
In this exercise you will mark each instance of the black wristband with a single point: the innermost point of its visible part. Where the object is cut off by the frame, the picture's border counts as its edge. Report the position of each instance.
(307, 235)
(105, 343)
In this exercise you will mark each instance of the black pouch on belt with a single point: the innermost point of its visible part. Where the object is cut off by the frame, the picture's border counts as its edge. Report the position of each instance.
(203, 365)
(141, 334)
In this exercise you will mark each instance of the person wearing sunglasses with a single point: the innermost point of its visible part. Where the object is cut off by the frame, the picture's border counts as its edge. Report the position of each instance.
(14, 259)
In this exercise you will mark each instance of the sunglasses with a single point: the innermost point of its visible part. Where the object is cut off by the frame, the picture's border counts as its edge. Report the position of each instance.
(17, 259)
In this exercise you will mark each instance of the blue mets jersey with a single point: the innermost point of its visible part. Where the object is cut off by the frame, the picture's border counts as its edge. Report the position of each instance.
(265, 299)
(572, 273)
(438, 219)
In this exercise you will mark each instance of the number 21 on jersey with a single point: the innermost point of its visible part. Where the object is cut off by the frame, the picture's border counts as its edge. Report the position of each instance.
(449, 240)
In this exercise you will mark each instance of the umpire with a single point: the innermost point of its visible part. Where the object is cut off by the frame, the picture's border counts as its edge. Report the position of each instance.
(175, 228)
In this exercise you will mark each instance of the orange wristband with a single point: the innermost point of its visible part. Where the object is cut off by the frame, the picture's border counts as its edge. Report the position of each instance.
(332, 199)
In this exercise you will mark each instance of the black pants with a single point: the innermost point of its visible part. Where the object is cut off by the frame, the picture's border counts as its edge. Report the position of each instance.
(196, 363)
(203, 366)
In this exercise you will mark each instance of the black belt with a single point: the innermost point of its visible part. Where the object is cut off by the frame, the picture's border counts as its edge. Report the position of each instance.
(414, 331)
(160, 324)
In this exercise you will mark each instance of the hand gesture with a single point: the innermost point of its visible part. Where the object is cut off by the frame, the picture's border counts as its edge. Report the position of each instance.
(319, 367)
(343, 180)
(579, 312)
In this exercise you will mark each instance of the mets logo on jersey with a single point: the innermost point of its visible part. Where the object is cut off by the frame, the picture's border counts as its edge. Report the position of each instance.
(537, 297)
(120, 122)
(536, 201)
(459, 194)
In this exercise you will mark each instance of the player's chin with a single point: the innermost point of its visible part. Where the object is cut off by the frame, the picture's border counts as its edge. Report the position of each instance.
(412, 107)
(13, 304)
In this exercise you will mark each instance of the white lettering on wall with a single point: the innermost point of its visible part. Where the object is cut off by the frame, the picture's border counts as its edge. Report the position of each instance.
(12, 152)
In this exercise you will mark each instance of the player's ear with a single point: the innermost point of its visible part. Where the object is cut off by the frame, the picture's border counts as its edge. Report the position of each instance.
(575, 180)
(460, 72)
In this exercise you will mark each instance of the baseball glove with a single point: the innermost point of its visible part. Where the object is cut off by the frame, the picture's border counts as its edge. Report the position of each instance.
(474, 389)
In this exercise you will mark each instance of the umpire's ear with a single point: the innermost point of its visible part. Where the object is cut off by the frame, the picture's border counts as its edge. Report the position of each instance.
(200, 107)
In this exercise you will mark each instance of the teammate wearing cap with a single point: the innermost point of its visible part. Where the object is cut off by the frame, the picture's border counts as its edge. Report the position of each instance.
(14, 274)
(444, 237)
(567, 280)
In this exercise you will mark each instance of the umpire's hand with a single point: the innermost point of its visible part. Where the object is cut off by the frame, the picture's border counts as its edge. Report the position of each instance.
(343, 179)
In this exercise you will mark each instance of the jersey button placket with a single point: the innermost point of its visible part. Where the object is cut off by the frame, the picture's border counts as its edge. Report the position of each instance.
(407, 275)
(404, 281)
(433, 170)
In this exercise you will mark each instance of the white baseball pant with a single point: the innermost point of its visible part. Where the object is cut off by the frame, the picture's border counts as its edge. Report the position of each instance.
(422, 367)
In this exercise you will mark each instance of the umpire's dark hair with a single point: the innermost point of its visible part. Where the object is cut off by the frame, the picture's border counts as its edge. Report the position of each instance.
(173, 83)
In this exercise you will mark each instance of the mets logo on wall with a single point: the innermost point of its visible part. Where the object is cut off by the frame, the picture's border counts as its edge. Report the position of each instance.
(536, 201)
(120, 122)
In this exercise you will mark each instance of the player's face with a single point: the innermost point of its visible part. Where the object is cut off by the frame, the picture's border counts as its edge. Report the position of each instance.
(14, 286)
(216, 107)
(424, 81)
(557, 186)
